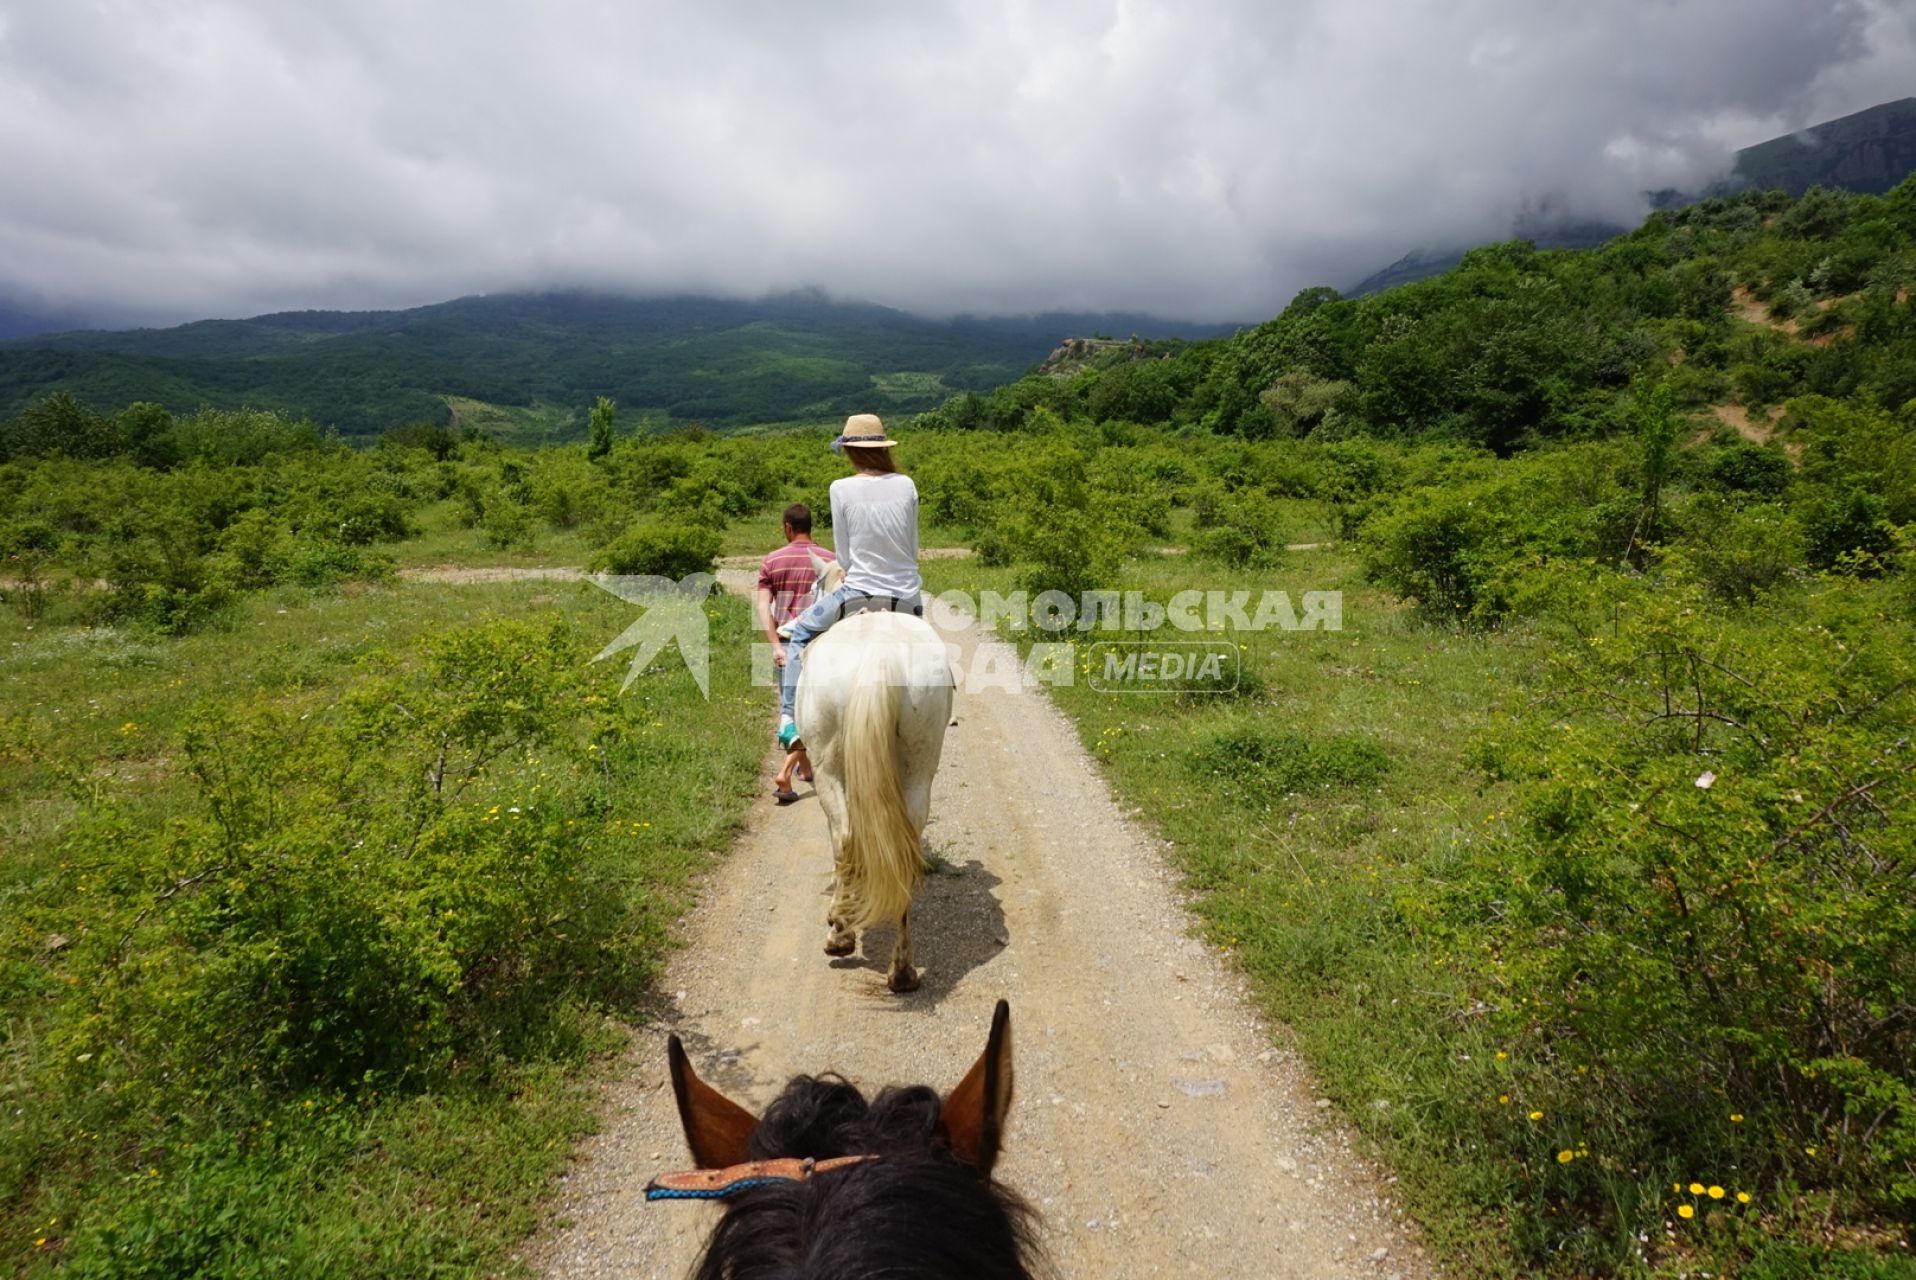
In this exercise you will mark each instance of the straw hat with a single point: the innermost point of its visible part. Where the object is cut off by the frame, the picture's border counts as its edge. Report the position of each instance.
(863, 431)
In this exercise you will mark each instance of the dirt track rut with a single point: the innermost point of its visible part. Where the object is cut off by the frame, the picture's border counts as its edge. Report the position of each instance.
(1155, 1126)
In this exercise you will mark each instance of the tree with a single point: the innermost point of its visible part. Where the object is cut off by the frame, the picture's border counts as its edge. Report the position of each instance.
(604, 414)
(62, 426)
(1656, 431)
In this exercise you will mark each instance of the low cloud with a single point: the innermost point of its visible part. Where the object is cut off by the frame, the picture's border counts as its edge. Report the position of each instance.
(1198, 160)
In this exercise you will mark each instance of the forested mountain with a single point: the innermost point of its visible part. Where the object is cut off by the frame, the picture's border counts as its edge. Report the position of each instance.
(534, 362)
(1869, 152)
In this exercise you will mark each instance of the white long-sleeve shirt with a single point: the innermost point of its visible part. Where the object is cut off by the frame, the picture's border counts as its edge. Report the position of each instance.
(875, 527)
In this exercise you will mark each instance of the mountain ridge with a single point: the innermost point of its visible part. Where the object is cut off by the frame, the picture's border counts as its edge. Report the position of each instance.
(1867, 151)
(668, 359)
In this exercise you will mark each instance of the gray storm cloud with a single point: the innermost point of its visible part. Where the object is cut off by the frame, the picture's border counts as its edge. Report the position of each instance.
(1203, 160)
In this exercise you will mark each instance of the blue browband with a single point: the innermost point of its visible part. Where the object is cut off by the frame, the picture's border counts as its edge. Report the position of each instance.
(842, 441)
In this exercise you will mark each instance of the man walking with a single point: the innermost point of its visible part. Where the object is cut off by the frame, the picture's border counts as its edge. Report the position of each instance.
(785, 581)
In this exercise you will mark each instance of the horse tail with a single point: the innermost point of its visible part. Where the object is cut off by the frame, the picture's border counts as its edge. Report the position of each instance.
(887, 863)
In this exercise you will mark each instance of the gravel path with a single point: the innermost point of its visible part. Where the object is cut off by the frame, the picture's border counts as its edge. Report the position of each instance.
(1155, 1126)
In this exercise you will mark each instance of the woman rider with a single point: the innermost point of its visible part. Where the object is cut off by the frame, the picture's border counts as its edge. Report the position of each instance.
(875, 528)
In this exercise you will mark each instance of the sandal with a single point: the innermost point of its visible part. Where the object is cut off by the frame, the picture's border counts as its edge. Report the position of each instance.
(785, 796)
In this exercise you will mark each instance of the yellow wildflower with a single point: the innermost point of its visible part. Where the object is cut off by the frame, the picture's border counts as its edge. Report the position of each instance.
(1696, 1188)
(1716, 1193)
(1565, 1157)
(1685, 1211)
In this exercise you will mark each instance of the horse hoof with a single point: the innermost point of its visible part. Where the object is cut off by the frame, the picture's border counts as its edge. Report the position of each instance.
(903, 980)
(840, 944)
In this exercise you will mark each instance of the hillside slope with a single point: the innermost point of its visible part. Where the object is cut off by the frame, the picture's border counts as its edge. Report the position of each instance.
(1739, 303)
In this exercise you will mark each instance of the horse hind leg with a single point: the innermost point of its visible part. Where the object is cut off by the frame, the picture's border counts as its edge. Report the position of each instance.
(840, 940)
(903, 976)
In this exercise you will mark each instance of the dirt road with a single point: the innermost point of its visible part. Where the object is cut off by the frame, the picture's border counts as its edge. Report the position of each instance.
(1155, 1127)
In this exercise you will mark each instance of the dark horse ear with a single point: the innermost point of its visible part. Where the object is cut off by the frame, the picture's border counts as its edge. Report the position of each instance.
(974, 1113)
(717, 1129)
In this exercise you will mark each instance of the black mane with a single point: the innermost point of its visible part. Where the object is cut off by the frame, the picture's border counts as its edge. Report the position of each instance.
(917, 1211)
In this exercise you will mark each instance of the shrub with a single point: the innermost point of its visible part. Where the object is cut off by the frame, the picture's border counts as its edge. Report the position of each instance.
(992, 548)
(1738, 554)
(506, 522)
(1069, 551)
(371, 518)
(1701, 940)
(315, 562)
(661, 549)
(1851, 532)
(1242, 533)
(253, 550)
(1458, 547)
(351, 898)
(1742, 467)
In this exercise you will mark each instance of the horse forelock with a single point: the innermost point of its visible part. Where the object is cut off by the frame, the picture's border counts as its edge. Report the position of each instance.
(915, 1210)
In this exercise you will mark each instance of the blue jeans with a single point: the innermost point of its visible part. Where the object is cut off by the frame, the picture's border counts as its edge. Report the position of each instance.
(814, 622)
(807, 627)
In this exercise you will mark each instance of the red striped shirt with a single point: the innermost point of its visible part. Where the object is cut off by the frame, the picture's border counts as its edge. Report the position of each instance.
(787, 573)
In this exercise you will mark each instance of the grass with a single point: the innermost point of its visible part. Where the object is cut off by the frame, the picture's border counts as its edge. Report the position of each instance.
(444, 1180)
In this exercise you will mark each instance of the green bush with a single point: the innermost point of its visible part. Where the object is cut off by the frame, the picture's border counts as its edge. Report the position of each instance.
(1067, 551)
(1700, 944)
(1740, 552)
(371, 518)
(318, 563)
(506, 522)
(661, 549)
(1240, 533)
(356, 898)
(1742, 467)
(1850, 532)
(993, 548)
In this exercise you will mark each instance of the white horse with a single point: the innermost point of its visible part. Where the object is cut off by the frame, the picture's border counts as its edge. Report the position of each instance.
(874, 697)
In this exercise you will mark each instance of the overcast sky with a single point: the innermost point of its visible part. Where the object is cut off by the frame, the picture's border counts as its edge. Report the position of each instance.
(170, 159)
